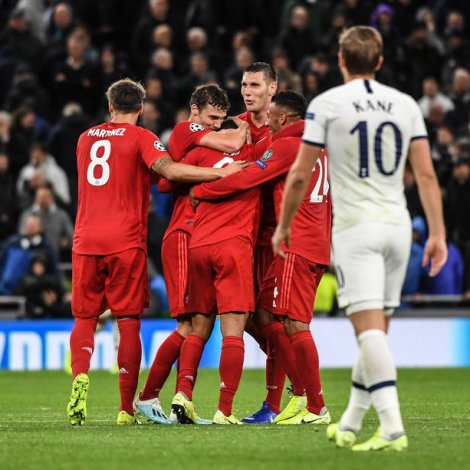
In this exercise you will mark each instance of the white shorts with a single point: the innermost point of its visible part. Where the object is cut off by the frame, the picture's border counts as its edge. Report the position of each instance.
(371, 261)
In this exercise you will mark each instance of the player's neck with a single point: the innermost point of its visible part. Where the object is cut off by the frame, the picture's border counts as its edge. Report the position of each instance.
(364, 76)
(118, 118)
(259, 118)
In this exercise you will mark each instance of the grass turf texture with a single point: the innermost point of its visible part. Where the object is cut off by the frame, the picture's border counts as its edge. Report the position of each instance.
(35, 433)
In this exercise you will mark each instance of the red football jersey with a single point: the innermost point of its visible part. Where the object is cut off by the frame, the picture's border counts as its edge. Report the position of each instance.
(184, 137)
(311, 226)
(268, 215)
(113, 162)
(257, 133)
(236, 216)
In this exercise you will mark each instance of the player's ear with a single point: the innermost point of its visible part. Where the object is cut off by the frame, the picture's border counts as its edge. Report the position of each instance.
(379, 64)
(340, 60)
(141, 110)
(110, 108)
(272, 88)
(194, 110)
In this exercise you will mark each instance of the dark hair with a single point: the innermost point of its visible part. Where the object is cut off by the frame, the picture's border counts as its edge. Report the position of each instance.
(361, 48)
(210, 95)
(291, 100)
(126, 96)
(269, 71)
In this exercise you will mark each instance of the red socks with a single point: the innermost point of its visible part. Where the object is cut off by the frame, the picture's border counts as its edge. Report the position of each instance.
(275, 379)
(129, 356)
(82, 344)
(230, 369)
(166, 355)
(306, 355)
(190, 357)
(277, 337)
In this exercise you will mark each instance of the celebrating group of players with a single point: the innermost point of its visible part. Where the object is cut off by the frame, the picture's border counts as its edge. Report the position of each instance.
(218, 259)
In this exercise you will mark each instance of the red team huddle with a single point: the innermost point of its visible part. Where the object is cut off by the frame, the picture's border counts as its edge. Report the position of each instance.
(216, 252)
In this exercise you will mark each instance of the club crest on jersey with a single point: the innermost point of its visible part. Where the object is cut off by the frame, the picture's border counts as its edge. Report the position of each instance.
(159, 146)
(196, 127)
(266, 155)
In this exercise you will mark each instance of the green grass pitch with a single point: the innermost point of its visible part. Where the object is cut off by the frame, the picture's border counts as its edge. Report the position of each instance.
(34, 431)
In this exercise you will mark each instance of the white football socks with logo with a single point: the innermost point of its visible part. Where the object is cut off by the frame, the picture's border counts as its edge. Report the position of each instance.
(359, 401)
(380, 375)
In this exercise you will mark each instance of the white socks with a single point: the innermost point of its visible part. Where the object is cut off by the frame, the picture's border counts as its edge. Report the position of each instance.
(359, 401)
(380, 375)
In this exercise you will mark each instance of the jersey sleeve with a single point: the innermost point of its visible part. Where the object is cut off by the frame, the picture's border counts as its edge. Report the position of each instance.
(151, 149)
(418, 127)
(273, 163)
(316, 122)
(165, 186)
(185, 136)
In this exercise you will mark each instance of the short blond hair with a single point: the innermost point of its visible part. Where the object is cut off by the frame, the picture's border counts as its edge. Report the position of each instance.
(126, 96)
(361, 48)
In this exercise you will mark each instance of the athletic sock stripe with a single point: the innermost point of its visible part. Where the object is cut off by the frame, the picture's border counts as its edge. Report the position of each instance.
(359, 386)
(386, 383)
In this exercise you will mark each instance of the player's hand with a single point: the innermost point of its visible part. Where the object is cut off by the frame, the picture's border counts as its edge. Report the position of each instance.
(280, 235)
(234, 167)
(435, 251)
(194, 202)
(239, 122)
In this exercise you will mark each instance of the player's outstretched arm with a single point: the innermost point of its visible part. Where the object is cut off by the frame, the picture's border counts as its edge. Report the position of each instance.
(430, 194)
(297, 182)
(184, 173)
(228, 140)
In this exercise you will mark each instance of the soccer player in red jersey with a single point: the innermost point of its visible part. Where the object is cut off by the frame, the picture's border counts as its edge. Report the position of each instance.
(109, 262)
(209, 106)
(288, 290)
(259, 84)
(220, 282)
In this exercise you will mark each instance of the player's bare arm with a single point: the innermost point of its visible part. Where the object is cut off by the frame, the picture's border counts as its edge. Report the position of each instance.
(296, 186)
(227, 140)
(430, 195)
(183, 173)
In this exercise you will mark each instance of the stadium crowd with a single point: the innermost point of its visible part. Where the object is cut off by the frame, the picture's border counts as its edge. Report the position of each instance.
(58, 58)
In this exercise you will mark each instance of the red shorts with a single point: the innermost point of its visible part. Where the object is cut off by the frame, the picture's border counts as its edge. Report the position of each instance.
(221, 277)
(264, 257)
(290, 286)
(175, 270)
(118, 281)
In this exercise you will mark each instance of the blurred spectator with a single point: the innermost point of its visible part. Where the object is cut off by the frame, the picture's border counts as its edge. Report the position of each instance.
(40, 171)
(150, 117)
(5, 132)
(34, 10)
(43, 292)
(76, 77)
(164, 106)
(7, 199)
(310, 85)
(298, 40)
(281, 63)
(426, 16)
(461, 98)
(415, 272)
(443, 154)
(457, 209)
(431, 96)
(56, 223)
(162, 68)
(23, 135)
(19, 37)
(413, 201)
(17, 253)
(328, 75)
(61, 23)
(63, 143)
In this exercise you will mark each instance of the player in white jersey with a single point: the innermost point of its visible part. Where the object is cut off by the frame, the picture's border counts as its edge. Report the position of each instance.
(369, 130)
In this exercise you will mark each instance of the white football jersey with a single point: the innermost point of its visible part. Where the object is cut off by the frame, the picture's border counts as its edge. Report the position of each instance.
(367, 128)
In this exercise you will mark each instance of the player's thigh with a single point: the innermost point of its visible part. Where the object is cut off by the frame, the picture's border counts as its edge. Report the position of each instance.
(127, 284)
(88, 280)
(201, 292)
(263, 258)
(232, 261)
(290, 287)
(396, 263)
(233, 324)
(360, 267)
(175, 270)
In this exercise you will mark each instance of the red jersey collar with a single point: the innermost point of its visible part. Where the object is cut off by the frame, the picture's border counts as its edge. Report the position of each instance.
(296, 129)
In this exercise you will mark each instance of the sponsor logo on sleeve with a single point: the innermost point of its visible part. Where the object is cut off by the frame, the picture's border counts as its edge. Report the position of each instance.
(159, 146)
(261, 164)
(267, 155)
(310, 116)
(196, 127)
